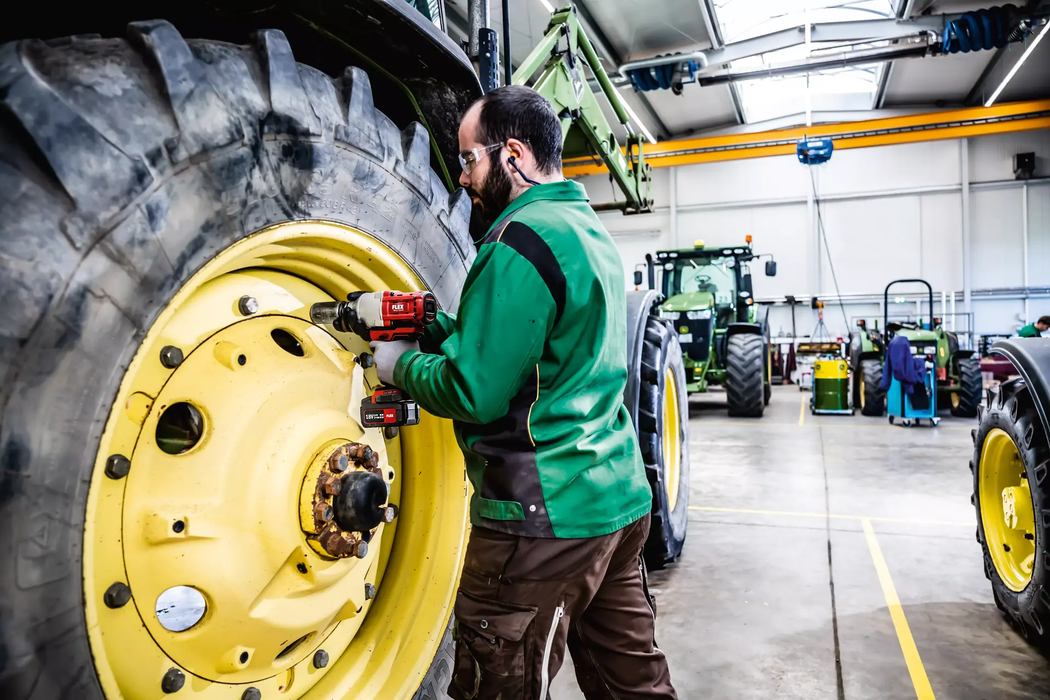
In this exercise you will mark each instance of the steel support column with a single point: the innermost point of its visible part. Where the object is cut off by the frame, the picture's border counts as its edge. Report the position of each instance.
(964, 172)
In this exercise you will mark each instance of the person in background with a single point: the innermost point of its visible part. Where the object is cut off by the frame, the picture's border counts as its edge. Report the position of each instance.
(1034, 330)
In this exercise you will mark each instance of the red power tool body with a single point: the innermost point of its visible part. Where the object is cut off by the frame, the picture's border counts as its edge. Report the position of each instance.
(382, 316)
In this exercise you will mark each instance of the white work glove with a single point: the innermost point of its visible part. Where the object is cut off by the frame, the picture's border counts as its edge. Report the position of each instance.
(386, 355)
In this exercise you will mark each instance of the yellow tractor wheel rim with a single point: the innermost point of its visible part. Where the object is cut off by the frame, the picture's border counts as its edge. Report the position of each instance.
(672, 444)
(955, 399)
(211, 462)
(1007, 514)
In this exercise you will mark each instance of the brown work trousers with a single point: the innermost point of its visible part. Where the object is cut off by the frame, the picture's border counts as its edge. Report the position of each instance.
(521, 599)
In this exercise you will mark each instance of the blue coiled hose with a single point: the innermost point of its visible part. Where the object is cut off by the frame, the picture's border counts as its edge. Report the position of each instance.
(983, 30)
(659, 77)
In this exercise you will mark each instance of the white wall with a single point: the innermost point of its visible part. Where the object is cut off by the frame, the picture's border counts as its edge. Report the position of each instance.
(889, 212)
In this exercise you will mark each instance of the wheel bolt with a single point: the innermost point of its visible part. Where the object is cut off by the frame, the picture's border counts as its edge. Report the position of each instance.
(323, 512)
(366, 360)
(173, 681)
(390, 432)
(247, 305)
(342, 464)
(370, 591)
(117, 466)
(320, 658)
(170, 356)
(251, 694)
(333, 485)
(389, 513)
(361, 550)
(117, 595)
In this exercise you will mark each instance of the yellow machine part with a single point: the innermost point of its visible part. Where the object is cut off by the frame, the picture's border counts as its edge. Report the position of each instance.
(220, 445)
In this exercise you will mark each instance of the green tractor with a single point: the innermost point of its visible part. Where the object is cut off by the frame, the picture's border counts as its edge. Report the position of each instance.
(959, 383)
(723, 333)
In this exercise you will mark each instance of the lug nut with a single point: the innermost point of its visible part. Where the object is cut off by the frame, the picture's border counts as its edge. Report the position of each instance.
(389, 513)
(341, 464)
(170, 356)
(117, 466)
(334, 543)
(323, 512)
(370, 591)
(173, 681)
(332, 485)
(320, 658)
(390, 432)
(251, 694)
(361, 550)
(117, 595)
(366, 360)
(247, 305)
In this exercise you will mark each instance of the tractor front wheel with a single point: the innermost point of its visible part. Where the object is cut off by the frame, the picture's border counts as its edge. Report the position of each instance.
(967, 399)
(1011, 488)
(175, 430)
(872, 397)
(745, 375)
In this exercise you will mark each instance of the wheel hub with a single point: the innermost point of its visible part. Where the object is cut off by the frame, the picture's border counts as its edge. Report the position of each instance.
(1007, 514)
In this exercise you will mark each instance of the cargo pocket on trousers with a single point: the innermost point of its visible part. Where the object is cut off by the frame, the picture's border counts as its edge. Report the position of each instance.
(491, 642)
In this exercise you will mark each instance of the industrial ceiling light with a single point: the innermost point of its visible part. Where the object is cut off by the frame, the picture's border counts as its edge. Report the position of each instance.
(1024, 57)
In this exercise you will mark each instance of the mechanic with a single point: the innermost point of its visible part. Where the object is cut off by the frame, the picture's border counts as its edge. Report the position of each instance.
(532, 370)
(1035, 330)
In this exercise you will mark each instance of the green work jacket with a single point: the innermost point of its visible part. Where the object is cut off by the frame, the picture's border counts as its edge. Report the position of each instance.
(1029, 331)
(532, 371)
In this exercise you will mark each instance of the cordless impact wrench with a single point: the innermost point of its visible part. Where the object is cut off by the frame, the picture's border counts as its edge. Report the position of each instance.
(382, 316)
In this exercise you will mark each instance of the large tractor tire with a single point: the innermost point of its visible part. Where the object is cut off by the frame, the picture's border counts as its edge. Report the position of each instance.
(169, 211)
(1011, 488)
(745, 375)
(663, 434)
(967, 400)
(872, 397)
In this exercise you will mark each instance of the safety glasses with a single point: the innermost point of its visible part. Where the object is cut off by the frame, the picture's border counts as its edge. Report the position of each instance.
(469, 159)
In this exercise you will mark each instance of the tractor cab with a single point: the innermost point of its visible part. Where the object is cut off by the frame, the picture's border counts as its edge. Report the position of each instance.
(709, 298)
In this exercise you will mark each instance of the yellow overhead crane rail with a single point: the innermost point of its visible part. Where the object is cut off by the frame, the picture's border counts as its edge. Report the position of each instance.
(933, 126)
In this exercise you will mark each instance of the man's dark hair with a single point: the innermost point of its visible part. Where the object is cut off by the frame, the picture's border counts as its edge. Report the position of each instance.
(1045, 320)
(518, 112)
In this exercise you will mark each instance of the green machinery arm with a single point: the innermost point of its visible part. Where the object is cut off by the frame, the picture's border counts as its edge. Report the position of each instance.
(585, 131)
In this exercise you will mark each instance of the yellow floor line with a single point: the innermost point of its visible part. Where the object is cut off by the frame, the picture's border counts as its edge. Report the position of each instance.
(923, 690)
(802, 514)
(802, 411)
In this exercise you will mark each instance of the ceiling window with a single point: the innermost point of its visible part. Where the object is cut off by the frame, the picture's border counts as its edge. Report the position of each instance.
(828, 89)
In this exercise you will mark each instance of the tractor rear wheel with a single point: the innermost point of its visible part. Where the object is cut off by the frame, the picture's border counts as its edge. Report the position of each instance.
(663, 432)
(1011, 487)
(872, 397)
(967, 399)
(745, 375)
(169, 211)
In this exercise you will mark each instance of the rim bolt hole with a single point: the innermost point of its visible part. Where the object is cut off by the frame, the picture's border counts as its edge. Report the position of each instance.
(178, 526)
(242, 360)
(301, 568)
(244, 657)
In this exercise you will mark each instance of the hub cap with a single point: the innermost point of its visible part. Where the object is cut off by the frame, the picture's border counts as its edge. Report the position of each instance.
(1006, 510)
(239, 419)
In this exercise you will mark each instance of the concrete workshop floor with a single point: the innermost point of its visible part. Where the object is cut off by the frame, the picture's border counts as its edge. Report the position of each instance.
(779, 578)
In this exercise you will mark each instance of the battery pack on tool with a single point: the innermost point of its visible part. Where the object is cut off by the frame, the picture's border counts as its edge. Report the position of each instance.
(389, 408)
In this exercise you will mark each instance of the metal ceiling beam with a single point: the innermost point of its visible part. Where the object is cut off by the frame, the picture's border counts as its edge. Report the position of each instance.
(836, 32)
(853, 58)
(714, 32)
(601, 44)
(977, 92)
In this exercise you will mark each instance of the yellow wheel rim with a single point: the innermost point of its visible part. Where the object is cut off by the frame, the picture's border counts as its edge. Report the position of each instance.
(861, 377)
(224, 447)
(955, 399)
(672, 452)
(1006, 510)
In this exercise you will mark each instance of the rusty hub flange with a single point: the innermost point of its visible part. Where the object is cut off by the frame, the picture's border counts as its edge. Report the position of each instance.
(322, 484)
